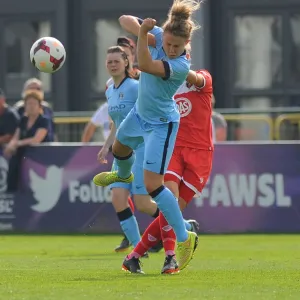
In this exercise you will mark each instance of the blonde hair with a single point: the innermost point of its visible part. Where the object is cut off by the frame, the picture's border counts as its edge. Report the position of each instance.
(33, 94)
(180, 22)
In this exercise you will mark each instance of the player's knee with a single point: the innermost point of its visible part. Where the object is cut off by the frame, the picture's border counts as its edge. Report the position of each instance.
(152, 181)
(150, 187)
(119, 200)
(120, 150)
(143, 205)
(173, 187)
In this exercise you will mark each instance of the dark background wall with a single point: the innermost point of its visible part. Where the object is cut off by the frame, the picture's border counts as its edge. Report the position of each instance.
(223, 45)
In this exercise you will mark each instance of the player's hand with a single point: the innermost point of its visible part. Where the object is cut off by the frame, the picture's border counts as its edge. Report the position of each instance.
(102, 155)
(148, 24)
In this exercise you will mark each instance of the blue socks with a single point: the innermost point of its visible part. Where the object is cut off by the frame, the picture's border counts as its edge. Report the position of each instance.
(188, 226)
(124, 165)
(129, 226)
(168, 205)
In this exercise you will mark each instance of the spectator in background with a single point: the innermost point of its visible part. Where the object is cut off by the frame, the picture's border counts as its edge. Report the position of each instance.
(34, 84)
(129, 47)
(33, 129)
(219, 125)
(8, 121)
(99, 119)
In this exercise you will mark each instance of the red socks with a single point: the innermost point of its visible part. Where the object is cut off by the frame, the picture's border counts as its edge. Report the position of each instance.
(157, 230)
(130, 202)
(149, 239)
(168, 235)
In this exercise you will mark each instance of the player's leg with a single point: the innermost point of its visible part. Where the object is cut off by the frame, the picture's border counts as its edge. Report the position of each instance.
(128, 222)
(149, 239)
(125, 244)
(159, 145)
(197, 171)
(172, 181)
(142, 200)
(128, 138)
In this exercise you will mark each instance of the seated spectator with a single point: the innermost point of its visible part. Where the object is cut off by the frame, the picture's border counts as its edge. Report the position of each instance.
(8, 121)
(34, 84)
(33, 129)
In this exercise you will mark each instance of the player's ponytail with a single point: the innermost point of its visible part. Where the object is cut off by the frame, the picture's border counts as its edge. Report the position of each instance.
(118, 49)
(180, 22)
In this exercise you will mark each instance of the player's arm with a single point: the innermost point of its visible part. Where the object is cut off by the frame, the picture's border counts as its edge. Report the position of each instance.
(196, 79)
(132, 25)
(146, 63)
(88, 132)
(111, 137)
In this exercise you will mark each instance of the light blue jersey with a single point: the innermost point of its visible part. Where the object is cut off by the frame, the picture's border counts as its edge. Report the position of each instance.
(122, 99)
(155, 102)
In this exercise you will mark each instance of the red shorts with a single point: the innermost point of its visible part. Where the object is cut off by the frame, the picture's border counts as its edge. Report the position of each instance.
(190, 169)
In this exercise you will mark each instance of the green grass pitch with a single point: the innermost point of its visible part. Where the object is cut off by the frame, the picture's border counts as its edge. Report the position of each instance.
(85, 267)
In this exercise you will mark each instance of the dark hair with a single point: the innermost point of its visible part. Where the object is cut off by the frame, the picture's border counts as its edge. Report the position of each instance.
(179, 20)
(124, 41)
(118, 49)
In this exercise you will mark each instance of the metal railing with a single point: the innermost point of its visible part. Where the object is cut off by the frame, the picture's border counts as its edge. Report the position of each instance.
(244, 125)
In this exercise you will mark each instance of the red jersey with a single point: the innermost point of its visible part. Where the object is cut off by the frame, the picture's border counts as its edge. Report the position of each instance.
(194, 105)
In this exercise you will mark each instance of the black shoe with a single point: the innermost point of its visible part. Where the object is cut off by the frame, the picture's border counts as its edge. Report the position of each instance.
(195, 226)
(125, 245)
(170, 265)
(132, 265)
(157, 247)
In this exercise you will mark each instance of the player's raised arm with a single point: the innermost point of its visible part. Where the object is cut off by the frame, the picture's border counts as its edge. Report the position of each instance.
(196, 79)
(145, 61)
(132, 25)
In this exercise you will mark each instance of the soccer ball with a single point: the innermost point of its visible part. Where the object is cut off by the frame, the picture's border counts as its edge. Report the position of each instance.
(48, 54)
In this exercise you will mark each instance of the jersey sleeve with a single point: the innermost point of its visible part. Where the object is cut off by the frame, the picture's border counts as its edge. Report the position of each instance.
(44, 123)
(100, 116)
(176, 69)
(158, 34)
(207, 87)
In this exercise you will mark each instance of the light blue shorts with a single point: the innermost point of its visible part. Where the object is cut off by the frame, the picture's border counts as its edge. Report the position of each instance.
(159, 140)
(137, 187)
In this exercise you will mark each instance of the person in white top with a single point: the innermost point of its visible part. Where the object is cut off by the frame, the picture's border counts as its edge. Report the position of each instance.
(219, 125)
(99, 119)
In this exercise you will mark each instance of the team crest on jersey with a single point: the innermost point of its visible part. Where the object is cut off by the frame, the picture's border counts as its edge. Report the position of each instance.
(184, 106)
(121, 96)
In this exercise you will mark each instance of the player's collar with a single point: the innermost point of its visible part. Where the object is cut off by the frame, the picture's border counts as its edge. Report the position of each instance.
(121, 82)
